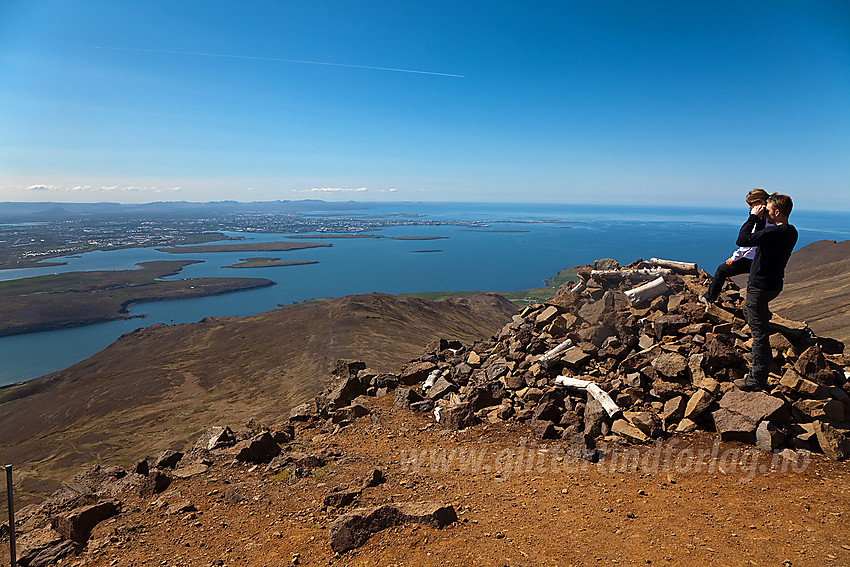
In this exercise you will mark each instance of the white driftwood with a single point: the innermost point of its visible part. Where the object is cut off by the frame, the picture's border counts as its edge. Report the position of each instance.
(551, 354)
(432, 377)
(647, 291)
(609, 405)
(684, 267)
(637, 274)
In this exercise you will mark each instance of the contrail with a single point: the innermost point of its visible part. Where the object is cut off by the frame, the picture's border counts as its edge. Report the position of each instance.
(276, 59)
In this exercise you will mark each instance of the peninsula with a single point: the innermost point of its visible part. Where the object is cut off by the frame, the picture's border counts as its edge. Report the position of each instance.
(246, 247)
(75, 299)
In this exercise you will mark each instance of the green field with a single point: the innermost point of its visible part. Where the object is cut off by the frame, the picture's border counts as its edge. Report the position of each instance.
(522, 297)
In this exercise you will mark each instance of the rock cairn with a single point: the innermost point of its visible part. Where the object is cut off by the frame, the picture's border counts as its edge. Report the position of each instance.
(627, 351)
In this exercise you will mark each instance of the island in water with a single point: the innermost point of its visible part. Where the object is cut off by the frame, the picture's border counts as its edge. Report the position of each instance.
(74, 299)
(246, 247)
(263, 262)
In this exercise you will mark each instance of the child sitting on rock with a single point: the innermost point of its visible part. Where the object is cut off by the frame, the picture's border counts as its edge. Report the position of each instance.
(741, 260)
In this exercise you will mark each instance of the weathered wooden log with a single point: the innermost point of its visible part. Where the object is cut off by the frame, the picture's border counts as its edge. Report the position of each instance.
(593, 390)
(681, 267)
(552, 353)
(647, 291)
(637, 274)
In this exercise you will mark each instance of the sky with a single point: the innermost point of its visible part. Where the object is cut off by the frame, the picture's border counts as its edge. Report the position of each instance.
(598, 101)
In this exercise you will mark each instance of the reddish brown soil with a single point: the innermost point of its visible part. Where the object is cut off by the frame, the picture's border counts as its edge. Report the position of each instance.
(604, 514)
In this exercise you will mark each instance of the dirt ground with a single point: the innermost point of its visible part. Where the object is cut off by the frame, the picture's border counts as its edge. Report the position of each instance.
(520, 502)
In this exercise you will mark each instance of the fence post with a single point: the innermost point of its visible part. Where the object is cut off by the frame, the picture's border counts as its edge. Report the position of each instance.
(12, 557)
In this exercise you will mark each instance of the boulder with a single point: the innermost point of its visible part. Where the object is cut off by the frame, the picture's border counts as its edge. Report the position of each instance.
(490, 394)
(579, 445)
(260, 449)
(670, 364)
(768, 437)
(674, 411)
(155, 482)
(406, 396)
(346, 368)
(441, 388)
(216, 437)
(457, 416)
(720, 354)
(698, 403)
(546, 316)
(812, 365)
(606, 264)
(349, 413)
(734, 426)
(303, 412)
(353, 529)
(647, 422)
(344, 392)
(595, 417)
(669, 325)
(543, 429)
(168, 459)
(415, 372)
(834, 442)
(77, 524)
(823, 410)
(574, 357)
(755, 405)
(628, 431)
(340, 497)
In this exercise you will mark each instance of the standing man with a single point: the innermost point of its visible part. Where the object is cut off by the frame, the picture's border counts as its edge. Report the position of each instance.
(775, 244)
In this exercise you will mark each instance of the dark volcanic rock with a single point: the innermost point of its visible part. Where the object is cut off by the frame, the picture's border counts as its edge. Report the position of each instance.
(814, 366)
(260, 449)
(406, 396)
(457, 416)
(670, 364)
(77, 524)
(543, 429)
(415, 372)
(354, 529)
(168, 459)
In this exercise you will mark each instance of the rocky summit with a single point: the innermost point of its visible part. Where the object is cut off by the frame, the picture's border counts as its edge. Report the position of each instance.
(586, 386)
(631, 352)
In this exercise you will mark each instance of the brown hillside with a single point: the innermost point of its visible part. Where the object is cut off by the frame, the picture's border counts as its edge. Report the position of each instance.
(817, 289)
(157, 387)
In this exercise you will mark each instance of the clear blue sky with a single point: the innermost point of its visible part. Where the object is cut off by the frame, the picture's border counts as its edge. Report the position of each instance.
(675, 102)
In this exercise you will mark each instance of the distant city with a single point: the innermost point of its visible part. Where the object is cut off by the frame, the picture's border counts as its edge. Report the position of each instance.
(33, 232)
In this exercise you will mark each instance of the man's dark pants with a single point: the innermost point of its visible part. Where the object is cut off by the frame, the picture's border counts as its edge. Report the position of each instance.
(757, 314)
(724, 271)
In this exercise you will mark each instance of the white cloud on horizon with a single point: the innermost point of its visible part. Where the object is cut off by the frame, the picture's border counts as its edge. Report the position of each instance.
(333, 190)
(102, 189)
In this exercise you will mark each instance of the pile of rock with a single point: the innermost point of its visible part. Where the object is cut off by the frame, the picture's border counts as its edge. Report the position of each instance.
(667, 361)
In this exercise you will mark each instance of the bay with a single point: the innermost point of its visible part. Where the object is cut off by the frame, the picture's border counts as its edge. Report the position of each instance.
(503, 247)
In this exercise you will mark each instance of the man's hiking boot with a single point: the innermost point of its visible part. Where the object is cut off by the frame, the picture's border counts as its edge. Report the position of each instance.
(747, 383)
(705, 300)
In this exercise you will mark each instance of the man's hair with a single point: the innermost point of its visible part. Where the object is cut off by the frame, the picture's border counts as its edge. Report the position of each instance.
(756, 195)
(782, 202)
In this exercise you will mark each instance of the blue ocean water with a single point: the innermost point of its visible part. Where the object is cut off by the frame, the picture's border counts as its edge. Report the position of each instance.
(510, 247)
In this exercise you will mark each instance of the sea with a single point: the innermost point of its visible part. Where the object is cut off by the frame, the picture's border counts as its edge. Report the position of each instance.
(475, 247)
